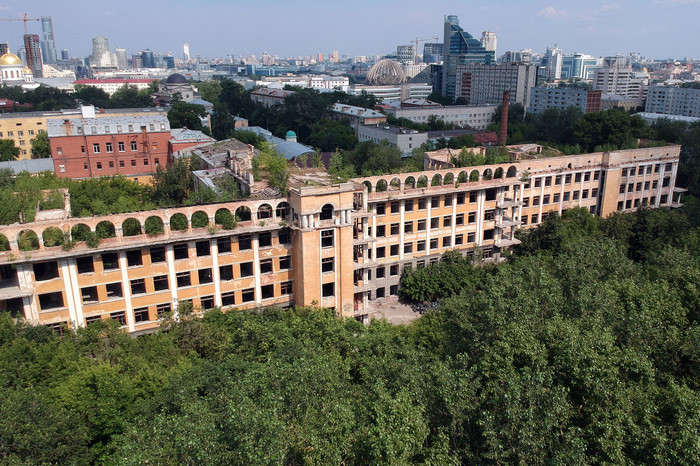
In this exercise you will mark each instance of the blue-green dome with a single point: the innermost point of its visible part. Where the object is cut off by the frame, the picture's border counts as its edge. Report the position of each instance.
(291, 134)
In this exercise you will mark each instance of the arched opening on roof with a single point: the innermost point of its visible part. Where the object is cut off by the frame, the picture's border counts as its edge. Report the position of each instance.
(512, 172)
(498, 173)
(488, 174)
(474, 176)
(81, 232)
(224, 218)
(131, 227)
(395, 184)
(200, 219)
(327, 212)
(283, 211)
(242, 214)
(409, 183)
(52, 236)
(264, 212)
(381, 186)
(368, 185)
(4, 243)
(437, 180)
(462, 177)
(154, 226)
(422, 182)
(449, 179)
(105, 229)
(27, 240)
(178, 222)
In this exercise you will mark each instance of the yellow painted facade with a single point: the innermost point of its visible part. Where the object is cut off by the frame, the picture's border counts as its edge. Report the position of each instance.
(343, 246)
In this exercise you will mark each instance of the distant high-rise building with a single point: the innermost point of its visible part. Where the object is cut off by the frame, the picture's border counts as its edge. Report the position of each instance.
(186, 51)
(32, 46)
(101, 55)
(136, 61)
(616, 77)
(405, 54)
(481, 84)
(460, 48)
(554, 60)
(48, 46)
(147, 59)
(64, 54)
(517, 56)
(579, 66)
(432, 52)
(122, 58)
(672, 100)
(4, 48)
(488, 40)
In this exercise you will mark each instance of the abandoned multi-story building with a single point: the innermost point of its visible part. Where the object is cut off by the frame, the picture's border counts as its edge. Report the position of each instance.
(342, 246)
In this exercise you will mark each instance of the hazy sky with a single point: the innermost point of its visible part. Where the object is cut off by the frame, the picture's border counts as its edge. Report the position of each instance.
(216, 28)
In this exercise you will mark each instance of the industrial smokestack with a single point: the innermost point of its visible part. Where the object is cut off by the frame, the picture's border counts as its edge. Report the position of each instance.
(503, 136)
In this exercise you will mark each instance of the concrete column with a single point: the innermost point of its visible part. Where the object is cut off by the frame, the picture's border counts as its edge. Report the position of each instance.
(402, 211)
(119, 232)
(454, 220)
(172, 277)
(215, 272)
(256, 269)
(73, 298)
(429, 206)
(126, 289)
(480, 202)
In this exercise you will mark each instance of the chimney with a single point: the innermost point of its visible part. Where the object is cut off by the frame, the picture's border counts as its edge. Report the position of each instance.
(503, 136)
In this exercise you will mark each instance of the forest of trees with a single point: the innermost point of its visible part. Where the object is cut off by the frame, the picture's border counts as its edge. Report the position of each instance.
(583, 348)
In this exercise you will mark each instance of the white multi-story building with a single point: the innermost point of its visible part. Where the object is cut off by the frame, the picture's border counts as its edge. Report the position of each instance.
(480, 84)
(392, 92)
(673, 100)
(615, 77)
(405, 139)
(460, 115)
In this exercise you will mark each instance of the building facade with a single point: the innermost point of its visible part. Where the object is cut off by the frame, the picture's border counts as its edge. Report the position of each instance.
(460, 115)
(405, 139)
(48, 46)
(92, 147)
(616, 77)
(32, 48)
(484, 84)
(356, 116)
(673, 100)
(460, 48)
(542, 98)
(341, 246)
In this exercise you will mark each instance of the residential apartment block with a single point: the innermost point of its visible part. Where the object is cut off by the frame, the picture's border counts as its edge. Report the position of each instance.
(403, 138)
(342, 246)
(460, 115)
(542, 98)
(673, 100)
(480, 84)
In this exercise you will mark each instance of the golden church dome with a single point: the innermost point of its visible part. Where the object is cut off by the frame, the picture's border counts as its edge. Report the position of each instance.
(10, 59)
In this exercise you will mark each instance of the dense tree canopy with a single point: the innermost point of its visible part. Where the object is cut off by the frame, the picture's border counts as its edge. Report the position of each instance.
(8, 150)
(578, 350)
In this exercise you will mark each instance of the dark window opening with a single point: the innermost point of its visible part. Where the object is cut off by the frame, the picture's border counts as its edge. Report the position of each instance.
(134, 258)
(205, 276)
(226, 272)
(203, 248)
(45, 270)
(114, 290)
(85, 264)
(181, 251)
(157, 254)
(160, 283)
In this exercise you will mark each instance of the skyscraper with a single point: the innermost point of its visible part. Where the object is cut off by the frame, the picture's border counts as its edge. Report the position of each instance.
(48, 46)
(554, 60)
(460, 48)
(186, 51)
(64, 54)
(432, 52)
(147, 59)
(488, 40)
(100, 52)
(121, 58)
(4, 48)
(32, 46)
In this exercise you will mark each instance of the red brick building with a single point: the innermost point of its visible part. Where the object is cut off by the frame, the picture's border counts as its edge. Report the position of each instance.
(92, 147)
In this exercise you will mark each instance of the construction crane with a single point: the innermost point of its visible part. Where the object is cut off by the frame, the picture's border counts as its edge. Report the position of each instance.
(25, 19)
(415, 50)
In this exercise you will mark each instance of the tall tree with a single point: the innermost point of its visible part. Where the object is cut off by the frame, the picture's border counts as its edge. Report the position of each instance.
(41, 148)
(8, 150)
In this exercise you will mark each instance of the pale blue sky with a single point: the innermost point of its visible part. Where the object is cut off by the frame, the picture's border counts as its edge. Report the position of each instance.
(215, 28)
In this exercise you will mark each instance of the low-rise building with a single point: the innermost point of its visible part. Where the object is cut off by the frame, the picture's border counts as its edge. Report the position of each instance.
(356, 116)
(92, 147)
(110, 86)
(270, 97)
(403, 138)
(459, 115)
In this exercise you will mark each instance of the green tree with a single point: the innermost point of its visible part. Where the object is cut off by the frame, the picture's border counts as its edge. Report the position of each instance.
(41, 148)
(8, 150)
(91, 95)
(328, 135)
(184, 115)
(130, 97)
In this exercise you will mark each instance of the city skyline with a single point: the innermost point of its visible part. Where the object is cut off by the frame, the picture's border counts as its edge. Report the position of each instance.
(599, 28)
